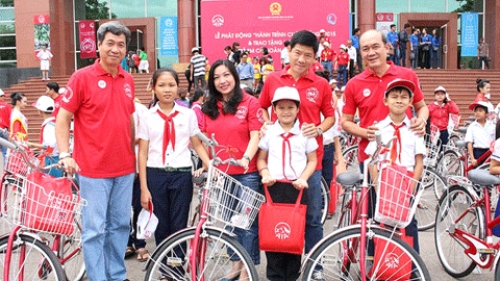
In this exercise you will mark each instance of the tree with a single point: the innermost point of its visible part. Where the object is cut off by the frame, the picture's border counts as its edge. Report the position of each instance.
(95, 10)
(466, 6)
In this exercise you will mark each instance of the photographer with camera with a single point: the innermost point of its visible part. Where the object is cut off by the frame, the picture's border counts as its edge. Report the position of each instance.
(439, 112)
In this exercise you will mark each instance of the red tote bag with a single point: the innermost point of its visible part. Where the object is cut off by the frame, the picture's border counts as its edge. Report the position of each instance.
(282, 226)
(390, 262)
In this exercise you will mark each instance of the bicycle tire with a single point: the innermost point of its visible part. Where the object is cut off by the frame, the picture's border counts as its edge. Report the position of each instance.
(350, 156)
(450, 251)
(450, 164)
(330, 253)
(325, 199)
(497, 270)
(426, 209)
(39, 262)
(218, 265)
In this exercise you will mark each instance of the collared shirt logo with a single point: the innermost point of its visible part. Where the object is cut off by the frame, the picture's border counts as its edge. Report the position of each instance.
(312, 94)
(68, 95)
(128, 90)
(241, 112)
(101, 84)
(366, 92)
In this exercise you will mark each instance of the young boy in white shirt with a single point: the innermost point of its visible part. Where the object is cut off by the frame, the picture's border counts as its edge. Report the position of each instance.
(286, 154)
(480, 133)
(407, 149)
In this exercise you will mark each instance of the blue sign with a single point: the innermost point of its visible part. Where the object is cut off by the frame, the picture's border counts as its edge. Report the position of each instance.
(168, 36)
(469, 34)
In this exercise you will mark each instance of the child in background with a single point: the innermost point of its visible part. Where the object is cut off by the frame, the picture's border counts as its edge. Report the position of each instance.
(48, 144)
(407, 149)
(342, 65)
(299, 166)
(196, 101)
(439, 112)
(480, 133)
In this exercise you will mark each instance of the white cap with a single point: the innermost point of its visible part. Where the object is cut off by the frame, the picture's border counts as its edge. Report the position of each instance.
(195, 49)
(322, 31)
(45, 104)
(440, 89)
(2, 93)
(326, 44)
(477, 103)
(286, 93)
(342, 46)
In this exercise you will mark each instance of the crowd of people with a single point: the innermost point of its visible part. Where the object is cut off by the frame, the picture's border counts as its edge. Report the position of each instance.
(137, 156)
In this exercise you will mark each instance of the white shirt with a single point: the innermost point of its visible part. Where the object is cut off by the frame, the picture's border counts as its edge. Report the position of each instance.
(352, 53)
(284, 55)
(496, 151)
(411, 144)
(481, 137)
(44, 55)
(272, 142)
(320, 49)
(186, 126)
(49, 134)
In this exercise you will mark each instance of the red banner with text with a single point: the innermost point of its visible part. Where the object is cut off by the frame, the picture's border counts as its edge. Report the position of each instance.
(268, 23)
(87, 39)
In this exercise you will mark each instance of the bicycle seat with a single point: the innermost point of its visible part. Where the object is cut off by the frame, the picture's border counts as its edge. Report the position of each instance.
(483, 178)
(461, 144)
(349, 178)
(462, 130)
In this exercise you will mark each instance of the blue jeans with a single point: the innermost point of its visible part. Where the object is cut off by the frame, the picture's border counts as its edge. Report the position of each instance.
(414, 62)
(327, 65)
(4, 149)
(435, 58)
(327, 163)
(342, 74)
(314, 227)
(402, 54)
(249, 239)
(106, 225)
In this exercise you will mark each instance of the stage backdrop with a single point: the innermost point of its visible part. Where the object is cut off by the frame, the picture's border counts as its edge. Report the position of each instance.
(258, 23)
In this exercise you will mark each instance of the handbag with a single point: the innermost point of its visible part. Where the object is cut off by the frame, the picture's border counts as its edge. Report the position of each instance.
(146, 223)
(49, 204)
(426, 48)
(389, 261)
(282, 225)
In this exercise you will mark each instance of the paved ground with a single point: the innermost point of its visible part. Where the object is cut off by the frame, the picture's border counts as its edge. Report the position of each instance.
(428, 253)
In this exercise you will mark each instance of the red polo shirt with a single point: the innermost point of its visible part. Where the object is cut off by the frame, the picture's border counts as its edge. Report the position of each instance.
(343, 59)
(327, 55)
(232, 132)
(365, 93)
(315, 99)
(102, 106)
(5, 111)
(57, 104)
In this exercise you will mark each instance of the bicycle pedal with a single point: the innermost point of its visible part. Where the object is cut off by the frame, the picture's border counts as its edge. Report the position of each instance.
(487, 251)
(173, 261)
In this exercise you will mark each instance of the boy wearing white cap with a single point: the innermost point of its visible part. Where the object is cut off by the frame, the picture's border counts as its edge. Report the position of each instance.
(342, 65)
(48, 144)
(480, 133)
(286, 154)
(407, 149)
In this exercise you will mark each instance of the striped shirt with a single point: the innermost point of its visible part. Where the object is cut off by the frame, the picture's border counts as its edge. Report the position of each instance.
(198, 61)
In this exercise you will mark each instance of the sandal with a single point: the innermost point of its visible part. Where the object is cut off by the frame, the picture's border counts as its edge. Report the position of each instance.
(142, 255)
(130, 251)
(421, 206)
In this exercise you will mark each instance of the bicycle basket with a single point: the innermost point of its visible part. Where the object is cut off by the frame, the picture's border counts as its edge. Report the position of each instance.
(16, 165)
(433, 146)
(48, 204)
(230, 202)
(397, 197)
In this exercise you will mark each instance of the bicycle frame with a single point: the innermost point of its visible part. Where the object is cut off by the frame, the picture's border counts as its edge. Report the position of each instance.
(480, 251)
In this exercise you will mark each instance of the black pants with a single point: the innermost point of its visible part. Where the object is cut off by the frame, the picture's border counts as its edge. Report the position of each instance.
(284, 266)
(478, 152)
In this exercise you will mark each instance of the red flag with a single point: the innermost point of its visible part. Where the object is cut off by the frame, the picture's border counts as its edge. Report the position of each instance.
(87, 39)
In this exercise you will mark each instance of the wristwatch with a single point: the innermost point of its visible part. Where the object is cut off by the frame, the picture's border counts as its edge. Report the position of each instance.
(247, 157)
(320, 132)
(63, 155)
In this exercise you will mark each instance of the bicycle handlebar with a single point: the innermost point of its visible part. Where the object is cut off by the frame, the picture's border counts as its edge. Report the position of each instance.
(8, 144)
(13, 145)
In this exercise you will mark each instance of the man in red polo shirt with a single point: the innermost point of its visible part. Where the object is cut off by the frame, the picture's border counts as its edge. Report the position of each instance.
(326, 58)
(315, 99)
(5, 110)
(365, 92)
(100, 97)
(52, 90)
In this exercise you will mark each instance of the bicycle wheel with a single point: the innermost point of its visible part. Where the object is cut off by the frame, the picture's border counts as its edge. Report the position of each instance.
(351, 159)
(426, 209)
(497, 270)
(31, 260)
(171, 260)
(450, 164)
(338, 256)
(325, 198)
(71, 256)
(451, 251)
